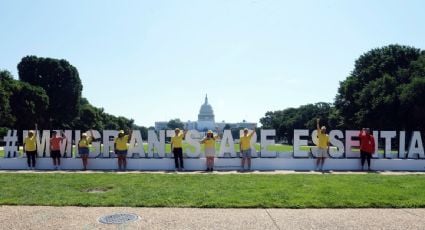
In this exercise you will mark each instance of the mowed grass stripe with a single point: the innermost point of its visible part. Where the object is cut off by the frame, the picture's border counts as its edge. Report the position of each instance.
(214, 191)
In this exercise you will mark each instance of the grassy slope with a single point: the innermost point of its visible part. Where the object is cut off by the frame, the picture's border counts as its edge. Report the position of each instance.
(216, 191)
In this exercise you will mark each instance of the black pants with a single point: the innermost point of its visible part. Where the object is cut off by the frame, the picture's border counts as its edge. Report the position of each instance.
(31, 158)
(178, 156)
(365, 156)
(56, 154)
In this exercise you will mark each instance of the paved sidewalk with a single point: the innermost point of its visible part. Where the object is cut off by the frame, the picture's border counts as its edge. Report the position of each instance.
(43, 217)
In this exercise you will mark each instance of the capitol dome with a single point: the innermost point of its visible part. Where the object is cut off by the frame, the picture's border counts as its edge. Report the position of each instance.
(206, 113)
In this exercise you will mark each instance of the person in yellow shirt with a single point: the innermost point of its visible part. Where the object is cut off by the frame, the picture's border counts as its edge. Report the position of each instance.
(245, 148)
(209, 146)
(323, 145)
(30, 148)
(121, 149)
(83, 148)
(177, 148)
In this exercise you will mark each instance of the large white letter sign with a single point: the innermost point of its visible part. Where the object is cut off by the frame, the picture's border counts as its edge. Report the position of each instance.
(388, 135)
(376, 137)
(170, 133)
(227, 144)
(265, 143)
(95, 144)
(349, 143)
(11, 149)
(333, 139)
(108, 142)
(192, 138)
(43, 143)
(402, 145)
(155, 144)
(66, 145)
(298, 142)
(136, 144)
(77, 137)
(315, 139)
(416, 147)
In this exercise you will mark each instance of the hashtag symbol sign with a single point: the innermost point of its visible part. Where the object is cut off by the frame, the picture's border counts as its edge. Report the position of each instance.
(10, 143)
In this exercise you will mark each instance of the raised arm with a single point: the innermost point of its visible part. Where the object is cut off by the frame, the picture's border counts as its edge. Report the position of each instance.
(130, 132)
(91, 138)
(184, 134)
(252, 133)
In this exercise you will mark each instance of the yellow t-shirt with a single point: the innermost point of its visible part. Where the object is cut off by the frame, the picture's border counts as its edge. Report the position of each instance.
(209, 142)
(84, 143)
(177, 141)
(30, 143)
(121, 143)
(323, 140)
(245, 141)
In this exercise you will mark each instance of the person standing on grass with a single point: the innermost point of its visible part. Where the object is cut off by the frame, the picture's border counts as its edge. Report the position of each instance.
(55, 145)
(323, 145)
(209, 144)
(121, 149)
(177, 148)
(367, 146)
(83, 148)
(245, 148)
(30, 148)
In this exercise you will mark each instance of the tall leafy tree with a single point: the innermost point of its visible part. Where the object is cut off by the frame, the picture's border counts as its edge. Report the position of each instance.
(285, 121)
(22, 105)
(412, 96)
(7, 85)
(62, 84)
(384, 86)
(29, 105)
(175, 123)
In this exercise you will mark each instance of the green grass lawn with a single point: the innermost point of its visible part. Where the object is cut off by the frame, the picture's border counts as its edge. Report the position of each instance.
(214, 191)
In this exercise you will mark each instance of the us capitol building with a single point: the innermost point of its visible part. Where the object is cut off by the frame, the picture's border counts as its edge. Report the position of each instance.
(206, 121)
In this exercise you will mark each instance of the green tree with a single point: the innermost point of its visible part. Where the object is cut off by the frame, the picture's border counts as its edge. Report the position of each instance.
(90, 118)
(62, 84)
(143, 131)
(285, 121)
(382, 90)
(7, 85)
(29, 106)
(22, 105)
(175, 123)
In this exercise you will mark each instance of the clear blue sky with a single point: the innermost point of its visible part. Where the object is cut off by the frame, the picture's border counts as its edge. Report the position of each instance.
(156, 60)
